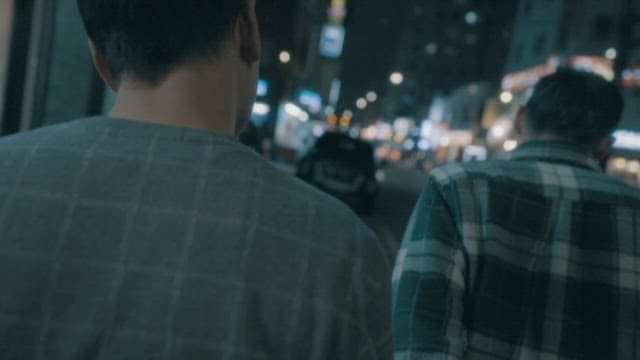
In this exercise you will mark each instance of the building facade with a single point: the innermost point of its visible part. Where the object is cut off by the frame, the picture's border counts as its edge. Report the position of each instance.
(448, 44)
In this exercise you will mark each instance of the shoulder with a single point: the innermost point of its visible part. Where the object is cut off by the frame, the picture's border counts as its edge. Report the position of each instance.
(551, 180)
(455, 175)
(306, 211)
(296, 191)
(32, 137)
(75, 134)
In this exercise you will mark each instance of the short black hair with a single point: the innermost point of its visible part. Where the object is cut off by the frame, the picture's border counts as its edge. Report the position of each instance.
(147, 39)
(577, 106)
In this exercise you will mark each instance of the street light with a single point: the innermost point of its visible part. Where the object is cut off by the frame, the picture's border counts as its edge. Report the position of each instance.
(506, 97)
(471, 18)
(611, 54)
(372, 96)
(510, 145)
(396, 78)
(361, 103)
(285, 57)
(431, 48)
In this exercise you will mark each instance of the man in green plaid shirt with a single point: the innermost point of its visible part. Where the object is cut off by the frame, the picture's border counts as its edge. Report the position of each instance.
(532, 257)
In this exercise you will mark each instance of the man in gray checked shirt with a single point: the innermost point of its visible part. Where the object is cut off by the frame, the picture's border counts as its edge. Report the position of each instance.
(153, 234)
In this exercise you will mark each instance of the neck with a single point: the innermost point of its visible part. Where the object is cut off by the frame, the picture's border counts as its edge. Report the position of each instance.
(186, 98)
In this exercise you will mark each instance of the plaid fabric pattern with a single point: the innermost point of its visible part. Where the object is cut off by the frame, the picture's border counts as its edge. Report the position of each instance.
(124, 240)
(533, 257)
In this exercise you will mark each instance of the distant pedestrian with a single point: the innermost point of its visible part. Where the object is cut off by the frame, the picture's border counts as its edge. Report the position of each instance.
(152, 233)
(534, 257)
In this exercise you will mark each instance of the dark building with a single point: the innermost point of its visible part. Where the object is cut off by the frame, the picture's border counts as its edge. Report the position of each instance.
(370, 49)
(446, 44)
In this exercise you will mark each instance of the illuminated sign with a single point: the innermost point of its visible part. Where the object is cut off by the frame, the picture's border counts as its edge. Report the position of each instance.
(311, 99)
(626, 140)
(263, 87)
(332, 40)
(338, 11)
(292, 127)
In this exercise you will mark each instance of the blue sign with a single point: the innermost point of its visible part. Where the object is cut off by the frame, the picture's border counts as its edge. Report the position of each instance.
(263, 87)
(332, 40)
(311, 99)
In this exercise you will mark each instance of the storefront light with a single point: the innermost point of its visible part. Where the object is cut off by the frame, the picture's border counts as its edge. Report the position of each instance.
(424, 145)
(295, 111)
(409, 144)
(619, 164)
(292, 109)
(625, 139)
(506, 97)
(261, 109)
(328, 110)
(369, 133)
(498, 131)
(633, 166)
(396, 78)
(510, 145)
(285, 57)
(332, 119)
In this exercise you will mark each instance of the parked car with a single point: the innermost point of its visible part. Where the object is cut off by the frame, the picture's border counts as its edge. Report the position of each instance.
(343, 167)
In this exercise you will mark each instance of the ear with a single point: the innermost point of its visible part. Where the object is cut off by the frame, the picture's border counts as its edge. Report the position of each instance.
(520, 123)
(248, 32)
(102, 68)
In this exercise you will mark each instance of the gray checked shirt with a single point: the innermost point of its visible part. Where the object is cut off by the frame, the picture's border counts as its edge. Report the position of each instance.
(126, 240)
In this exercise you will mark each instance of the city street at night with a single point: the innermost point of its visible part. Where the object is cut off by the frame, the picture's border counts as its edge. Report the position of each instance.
(203, 179)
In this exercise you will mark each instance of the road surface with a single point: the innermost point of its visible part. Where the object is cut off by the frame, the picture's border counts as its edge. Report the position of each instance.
(398, 195)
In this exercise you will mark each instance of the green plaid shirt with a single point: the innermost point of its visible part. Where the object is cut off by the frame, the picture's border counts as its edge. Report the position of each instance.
(533, 257)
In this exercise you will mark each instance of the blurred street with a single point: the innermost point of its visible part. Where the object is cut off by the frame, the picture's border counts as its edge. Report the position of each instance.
(399, 192)
(398, 195)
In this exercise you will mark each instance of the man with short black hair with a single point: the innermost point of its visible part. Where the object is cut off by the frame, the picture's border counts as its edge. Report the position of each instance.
(533, 257)
(154, 234)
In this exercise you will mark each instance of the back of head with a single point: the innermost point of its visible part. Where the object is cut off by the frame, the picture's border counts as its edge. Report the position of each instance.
(147, 39)
(575, 106)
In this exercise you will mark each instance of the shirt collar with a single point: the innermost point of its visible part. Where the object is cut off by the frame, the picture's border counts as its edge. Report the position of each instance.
(555, 151)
